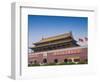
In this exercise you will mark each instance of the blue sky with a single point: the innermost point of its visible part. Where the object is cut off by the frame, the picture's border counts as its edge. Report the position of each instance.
(45, 26)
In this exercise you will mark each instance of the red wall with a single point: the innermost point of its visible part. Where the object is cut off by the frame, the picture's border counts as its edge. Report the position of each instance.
(60, 55)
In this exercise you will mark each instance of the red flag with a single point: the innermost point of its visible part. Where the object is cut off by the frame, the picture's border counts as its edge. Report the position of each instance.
(81, 40)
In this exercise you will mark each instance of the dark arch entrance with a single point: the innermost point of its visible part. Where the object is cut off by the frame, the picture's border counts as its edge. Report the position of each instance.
(35, 62)
(56, 60)
(65, 60)
(45, 60)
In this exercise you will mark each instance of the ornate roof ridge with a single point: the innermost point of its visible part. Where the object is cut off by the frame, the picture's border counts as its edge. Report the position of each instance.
(55, 37)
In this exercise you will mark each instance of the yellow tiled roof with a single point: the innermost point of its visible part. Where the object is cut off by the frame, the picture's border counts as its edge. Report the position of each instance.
(55, 37)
